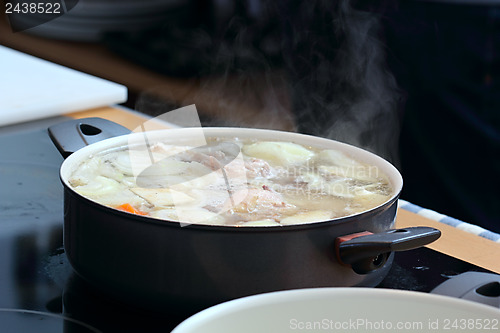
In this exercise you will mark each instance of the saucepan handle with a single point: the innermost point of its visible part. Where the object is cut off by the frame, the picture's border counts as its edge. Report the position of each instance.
(71, 135)
(366, 251)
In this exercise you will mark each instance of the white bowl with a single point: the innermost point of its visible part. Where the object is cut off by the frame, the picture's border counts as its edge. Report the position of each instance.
(344, 310)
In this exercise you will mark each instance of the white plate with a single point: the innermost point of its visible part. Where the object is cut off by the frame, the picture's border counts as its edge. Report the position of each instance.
(32, 88)
(344, 310)
(88, 28)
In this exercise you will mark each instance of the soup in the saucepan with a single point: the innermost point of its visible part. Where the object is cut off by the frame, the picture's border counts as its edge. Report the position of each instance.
(236, 182)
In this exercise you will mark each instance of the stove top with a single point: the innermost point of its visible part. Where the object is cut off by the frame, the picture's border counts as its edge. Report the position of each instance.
(36, 276)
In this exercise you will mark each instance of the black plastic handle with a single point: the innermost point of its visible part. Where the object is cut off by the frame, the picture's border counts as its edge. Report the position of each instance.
(71, 135)
(369, 252)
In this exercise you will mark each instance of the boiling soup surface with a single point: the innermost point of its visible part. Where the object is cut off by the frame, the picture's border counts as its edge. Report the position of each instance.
(236, 182)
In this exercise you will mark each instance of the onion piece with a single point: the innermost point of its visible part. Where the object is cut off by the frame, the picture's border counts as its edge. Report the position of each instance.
(338, 158)
(189, 215)
(99, 186)
(308, 217)
(162, 196)
(280, 153)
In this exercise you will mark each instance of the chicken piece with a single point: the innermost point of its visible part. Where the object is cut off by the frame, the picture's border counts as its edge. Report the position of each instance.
(257, 168)
(255, 204)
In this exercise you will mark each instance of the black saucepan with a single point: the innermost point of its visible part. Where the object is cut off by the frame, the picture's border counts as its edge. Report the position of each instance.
(165, 265)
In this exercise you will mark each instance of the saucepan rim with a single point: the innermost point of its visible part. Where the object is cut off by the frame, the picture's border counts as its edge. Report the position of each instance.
(184, 134)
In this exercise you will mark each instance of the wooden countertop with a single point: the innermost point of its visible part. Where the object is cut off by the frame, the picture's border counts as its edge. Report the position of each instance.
(453, 242)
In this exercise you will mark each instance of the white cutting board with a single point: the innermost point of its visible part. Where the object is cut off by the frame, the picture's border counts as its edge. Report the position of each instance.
(32, 88)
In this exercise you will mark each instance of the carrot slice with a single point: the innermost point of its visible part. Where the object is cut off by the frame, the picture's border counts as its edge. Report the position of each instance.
(128, 208)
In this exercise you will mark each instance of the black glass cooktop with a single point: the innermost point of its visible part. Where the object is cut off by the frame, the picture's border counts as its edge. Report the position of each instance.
(39, 291)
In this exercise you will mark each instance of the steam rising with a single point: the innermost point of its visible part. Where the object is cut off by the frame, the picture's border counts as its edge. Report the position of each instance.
(344, 90)
(331, 80)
